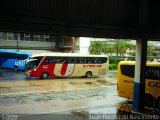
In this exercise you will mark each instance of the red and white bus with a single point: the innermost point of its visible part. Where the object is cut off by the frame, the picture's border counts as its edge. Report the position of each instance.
(66, 64)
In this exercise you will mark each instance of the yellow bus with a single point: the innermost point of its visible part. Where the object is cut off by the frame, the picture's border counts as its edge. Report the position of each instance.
(125, 81)
(66, 64)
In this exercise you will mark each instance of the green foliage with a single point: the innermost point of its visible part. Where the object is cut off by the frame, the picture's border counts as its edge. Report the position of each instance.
(108, 48)
(150, 49)
(112, 66)
(121, 46)
(96, 47)
(113, 60)
(113, 63)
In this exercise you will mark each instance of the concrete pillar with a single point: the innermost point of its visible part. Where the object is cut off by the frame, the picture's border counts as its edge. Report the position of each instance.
(139, 81)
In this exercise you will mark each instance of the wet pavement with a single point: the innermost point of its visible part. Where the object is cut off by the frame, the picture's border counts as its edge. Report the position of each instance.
(61, 98)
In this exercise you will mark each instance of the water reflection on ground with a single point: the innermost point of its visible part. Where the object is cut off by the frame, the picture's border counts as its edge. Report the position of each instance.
(58, 98)
(10, 75)
(7, 74)
(20, 94)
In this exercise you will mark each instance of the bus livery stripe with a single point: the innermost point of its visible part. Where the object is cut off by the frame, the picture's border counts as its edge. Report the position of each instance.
(64, 69)
(70, 69)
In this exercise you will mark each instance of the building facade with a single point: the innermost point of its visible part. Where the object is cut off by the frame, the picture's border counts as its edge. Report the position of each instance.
(31, 41)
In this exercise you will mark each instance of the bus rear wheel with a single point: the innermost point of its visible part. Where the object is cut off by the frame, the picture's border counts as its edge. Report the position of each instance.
(88, 74)
(16, 68)
(44, 75)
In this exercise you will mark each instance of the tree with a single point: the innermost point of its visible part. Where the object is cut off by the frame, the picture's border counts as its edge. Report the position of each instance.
(108, 48)
(150, 50)
(96, 47)
(121, 47)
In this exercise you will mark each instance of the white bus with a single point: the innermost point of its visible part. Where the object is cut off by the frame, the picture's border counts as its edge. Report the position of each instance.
(66, 64)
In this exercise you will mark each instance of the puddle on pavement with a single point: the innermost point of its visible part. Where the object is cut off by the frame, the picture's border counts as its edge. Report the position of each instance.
(81, 91)
(96, 93)
(80, 113)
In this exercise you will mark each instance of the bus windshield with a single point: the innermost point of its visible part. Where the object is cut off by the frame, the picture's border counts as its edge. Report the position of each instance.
(33, 63)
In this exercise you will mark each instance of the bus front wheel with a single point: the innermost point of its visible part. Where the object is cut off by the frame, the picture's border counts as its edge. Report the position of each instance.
(158, 102)
(149, 100)
(45, 75)
(88, 74)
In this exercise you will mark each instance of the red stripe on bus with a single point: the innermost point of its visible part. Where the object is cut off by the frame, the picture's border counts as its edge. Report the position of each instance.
(64, 68)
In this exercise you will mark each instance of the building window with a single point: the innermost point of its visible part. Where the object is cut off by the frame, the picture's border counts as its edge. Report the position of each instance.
(21, 36)
(15, 36)
(9, 36)
(1, 35)
(31, 37)
(27, 37)
(46, 38)
(36, 37)
(42, 38)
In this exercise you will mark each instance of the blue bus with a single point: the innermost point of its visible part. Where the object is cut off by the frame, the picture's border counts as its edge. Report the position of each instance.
(13, 59)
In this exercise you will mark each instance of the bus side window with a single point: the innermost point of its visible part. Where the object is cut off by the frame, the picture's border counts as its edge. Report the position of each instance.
(5, 55)
(26, 56)
(82, 60)
(63, 60)
(88, 60)
(16, 56)
(69, 60)
(12, 56)
(1, 54)
(19, 56)
(46, 61)
(95, 60)
(153, 73)
(8, 55)
(23, 57)
(53, 60)
(103, 60)
(75, 60)
(50, 61)
(147, 74)
(57, 60)
(158, 74)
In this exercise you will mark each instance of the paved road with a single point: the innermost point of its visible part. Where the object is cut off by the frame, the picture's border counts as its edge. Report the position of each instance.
(68, 96)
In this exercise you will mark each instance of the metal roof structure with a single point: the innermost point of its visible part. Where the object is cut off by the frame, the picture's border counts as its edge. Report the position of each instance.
(92, 18)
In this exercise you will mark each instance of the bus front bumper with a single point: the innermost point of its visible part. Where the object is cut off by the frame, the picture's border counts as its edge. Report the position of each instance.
(27, 73)
(33, 73)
